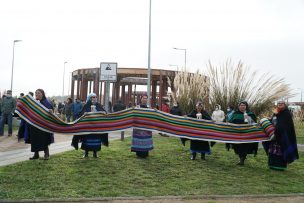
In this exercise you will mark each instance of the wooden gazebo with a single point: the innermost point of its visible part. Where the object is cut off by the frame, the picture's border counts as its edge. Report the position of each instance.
(86, 80)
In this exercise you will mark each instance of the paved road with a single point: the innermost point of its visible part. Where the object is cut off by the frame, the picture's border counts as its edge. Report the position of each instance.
(12, 151)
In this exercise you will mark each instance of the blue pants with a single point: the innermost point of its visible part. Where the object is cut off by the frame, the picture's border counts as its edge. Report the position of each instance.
(9, 119)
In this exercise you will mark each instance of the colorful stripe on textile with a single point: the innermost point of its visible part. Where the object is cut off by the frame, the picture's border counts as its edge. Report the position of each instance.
(147, 119)
(141, 140)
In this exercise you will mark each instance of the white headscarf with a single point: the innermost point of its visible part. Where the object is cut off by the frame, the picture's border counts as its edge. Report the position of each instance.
(90, 95)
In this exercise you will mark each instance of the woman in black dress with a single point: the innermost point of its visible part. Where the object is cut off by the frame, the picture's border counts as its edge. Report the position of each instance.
(40, 140)
(282, 150)
(199, 146)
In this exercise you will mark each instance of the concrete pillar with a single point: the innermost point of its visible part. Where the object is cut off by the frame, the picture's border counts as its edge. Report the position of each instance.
(123, 94)
(100, 92)
(96, 85)
(90, 86)
(129, 98)
(78, 87)
(104, 93)
(154, 84)
(161, 90)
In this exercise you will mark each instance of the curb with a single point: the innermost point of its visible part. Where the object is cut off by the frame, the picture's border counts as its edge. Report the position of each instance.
(159, 198)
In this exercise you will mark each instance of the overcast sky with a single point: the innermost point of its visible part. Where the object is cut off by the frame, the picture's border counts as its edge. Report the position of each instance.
(266, 35)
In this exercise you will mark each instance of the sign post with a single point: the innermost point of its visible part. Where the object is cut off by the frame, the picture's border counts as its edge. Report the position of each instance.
(108, 73)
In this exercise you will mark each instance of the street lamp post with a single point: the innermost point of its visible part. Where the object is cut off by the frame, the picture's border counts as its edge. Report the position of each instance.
(149, 60)
(69, 85)
(185, 50)
(12, 76)
(63, 80)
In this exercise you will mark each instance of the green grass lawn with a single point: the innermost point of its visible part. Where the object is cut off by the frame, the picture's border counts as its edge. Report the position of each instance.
(299, 126)
(167, 171)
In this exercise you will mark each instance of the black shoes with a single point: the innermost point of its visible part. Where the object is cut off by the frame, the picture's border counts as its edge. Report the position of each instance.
(86, 154)
(36, 156)
(242, 161)
(46, 154)
(94, 154)
(193, 156)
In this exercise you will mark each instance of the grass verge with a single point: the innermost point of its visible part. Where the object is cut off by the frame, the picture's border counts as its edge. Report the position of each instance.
(167, 171)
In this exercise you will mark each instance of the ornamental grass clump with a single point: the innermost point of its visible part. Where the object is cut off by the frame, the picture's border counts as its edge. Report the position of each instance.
(190, 88)
(230, 83)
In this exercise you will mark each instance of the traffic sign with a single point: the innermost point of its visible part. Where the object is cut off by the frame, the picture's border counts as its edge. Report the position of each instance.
(108, 71)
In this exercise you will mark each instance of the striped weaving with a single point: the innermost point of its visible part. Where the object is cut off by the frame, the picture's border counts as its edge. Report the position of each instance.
(149, 119)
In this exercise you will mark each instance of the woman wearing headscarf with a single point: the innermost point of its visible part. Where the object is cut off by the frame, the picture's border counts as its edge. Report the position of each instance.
(91, 142)
(40, 140)
(218, 115)
(142, 141)
(199, 146)
(244, 116)
(282, 150)
(230, 111)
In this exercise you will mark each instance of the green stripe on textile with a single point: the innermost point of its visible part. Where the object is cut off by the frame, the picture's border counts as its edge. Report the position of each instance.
(151, 119)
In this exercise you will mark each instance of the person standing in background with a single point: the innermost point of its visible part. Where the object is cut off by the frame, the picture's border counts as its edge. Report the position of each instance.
(218, 115)
(8, 106)
(119, 106)
(165, 106)
(68, 109)
(76, 109)
(230, 111)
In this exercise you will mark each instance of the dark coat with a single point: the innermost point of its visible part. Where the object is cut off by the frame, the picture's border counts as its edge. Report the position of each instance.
(175, 110)
(39, 140)
(199, 145)
(119, 106)
(285, 135)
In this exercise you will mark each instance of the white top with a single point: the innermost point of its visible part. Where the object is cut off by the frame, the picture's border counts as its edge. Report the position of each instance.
(218, 115)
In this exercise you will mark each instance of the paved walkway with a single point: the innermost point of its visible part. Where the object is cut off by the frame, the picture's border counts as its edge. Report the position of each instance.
(12, 151)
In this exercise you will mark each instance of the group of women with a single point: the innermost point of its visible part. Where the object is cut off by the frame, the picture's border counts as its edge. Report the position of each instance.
(281, 150)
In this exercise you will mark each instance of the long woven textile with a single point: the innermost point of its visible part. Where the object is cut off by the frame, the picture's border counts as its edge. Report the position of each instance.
(149, 119)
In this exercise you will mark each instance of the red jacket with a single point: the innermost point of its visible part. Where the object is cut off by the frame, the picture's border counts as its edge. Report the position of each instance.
(165, 108)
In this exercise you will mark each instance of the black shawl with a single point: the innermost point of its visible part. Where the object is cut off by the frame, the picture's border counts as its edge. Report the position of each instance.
(285, 135)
